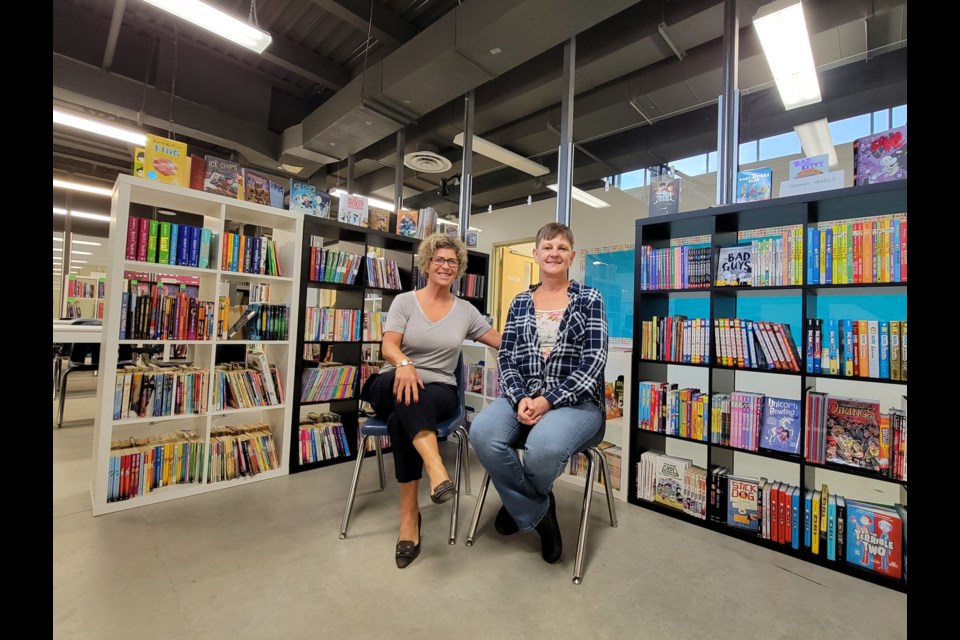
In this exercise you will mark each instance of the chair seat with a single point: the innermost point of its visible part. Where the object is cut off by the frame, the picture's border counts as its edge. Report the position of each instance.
(376, 427)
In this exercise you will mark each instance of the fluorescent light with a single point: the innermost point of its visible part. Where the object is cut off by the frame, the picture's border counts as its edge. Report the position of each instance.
(782, 30)
(100, 128)
(583, 197)
(92, 244)
(216, 21)
(383, 204)
(60, 212)
(56, 239)
(86, 188)
(816, 141)
(90, 216)
(81, 253)
(78, 261)
(504, 156)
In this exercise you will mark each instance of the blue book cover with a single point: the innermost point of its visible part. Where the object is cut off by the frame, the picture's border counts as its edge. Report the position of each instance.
(183, 251)
(276, 194)
(848, 347)
(235, 259)
(303, 197)
(833, 363)
(754, 184)
(807, 507)
(194, 246)
(811, 329)
(828, 262)
(742, 503)
(795, 512)
(205, 236)
(817, 345)
(174, 243)
(811, 257)
(780, 428)
(885, 349)
(817, 274)
(832, 527)
(257, 247)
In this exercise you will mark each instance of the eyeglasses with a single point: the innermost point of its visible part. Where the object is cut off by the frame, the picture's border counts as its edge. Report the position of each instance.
(450, 262)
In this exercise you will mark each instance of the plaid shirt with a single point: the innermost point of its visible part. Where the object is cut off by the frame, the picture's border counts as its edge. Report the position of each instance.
(573, 373)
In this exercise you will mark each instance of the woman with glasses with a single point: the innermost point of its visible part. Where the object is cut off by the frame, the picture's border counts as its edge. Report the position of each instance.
(551, 363)
(416, 389)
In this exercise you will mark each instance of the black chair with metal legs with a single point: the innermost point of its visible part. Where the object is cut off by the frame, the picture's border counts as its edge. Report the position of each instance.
(455, 426)
(78, 362)
(594, 455)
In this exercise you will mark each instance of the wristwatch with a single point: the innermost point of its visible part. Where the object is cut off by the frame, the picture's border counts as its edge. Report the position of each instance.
(403, 363)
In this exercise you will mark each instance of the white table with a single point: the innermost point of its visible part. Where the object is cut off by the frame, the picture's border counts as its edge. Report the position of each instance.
(72, 333)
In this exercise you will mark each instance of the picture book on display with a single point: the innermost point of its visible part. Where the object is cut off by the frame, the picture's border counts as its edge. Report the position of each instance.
(853, 433)
(303, 197)
(323, 204)
(167, 161)
(353, 210)
(221, 177)
(742, 503)
(664, 196)
(426, 222)
(379, 219)
(874, 538)
(256, 186)
(781, 425)
(806, 167)
(735, 266)
(669, 480)
(754, 184)
(276, 194)
(407, 222)
(880, 157)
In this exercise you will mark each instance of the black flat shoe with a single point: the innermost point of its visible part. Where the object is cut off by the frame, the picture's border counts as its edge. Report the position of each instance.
(443, 492)
(505, 524)
(407, 551)
(551, 546)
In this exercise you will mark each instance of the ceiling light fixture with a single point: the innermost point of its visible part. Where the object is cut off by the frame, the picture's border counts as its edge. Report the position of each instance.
(815, 140)
(85, 188)
(81, 253)
(89, 216)
(92, 244)
(583, 197)
(100, 128)
(782, 30)
(216, 21)
(383, 204)
(504, 156)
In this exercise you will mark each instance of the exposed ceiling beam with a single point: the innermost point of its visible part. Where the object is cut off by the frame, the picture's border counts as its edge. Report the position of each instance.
(303, 62)
(386, 25)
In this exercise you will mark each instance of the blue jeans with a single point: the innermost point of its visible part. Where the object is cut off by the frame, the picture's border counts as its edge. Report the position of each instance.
(524, 485)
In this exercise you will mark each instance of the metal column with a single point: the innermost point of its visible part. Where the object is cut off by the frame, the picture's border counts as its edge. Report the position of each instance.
(728, 137)
(466, 167)
(351, 166)
(565, 165)
(398, 173)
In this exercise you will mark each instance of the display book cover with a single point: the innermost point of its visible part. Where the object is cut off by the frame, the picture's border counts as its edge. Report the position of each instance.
(874, 537)
(303, 198)
(855, 433)
(742, 503)
(256, 186)
(880, 157)
(669, 480)
(407, 222)
(754, 184)
(780, 428)
(221, 177)
(166, 161)
(735, 266)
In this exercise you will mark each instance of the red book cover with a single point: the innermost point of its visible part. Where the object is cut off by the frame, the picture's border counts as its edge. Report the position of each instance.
(855, 348)
(198, 170)
(133, 232)
(144, 239)
(903, 251)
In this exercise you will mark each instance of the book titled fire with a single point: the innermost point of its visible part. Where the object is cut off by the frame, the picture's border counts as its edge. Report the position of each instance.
(166, 161)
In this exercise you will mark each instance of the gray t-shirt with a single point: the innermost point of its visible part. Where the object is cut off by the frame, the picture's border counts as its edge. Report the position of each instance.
(433, 347)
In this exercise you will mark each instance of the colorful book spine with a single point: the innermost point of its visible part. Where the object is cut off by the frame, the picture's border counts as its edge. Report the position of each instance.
(153, 231)
(174, 243)
(163, 246)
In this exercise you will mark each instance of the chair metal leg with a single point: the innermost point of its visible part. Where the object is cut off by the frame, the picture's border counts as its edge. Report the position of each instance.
(466, 458)
(383, 476)
(461, 443)
(584, 516)
(481, 496)
(63, 394)
(605, 475)
(361, 449)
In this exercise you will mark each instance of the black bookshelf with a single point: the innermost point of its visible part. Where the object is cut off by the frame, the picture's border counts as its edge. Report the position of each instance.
(357, 295)
(722, 224)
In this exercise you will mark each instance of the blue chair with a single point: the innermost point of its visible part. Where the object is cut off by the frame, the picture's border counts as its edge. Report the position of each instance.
(594, 455)
(456, 426)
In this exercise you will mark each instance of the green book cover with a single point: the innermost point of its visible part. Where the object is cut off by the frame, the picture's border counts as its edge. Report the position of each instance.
(152, 241)
(163, 248)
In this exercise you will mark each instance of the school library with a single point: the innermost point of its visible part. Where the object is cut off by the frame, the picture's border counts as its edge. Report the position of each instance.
(498, 303)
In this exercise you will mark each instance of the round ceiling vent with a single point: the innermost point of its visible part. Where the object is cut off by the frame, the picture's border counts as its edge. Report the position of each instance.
(427, 162)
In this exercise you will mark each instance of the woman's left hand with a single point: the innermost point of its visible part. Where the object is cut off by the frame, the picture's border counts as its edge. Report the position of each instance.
(532, 409)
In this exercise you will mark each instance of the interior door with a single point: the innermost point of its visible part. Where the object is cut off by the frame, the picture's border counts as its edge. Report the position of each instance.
(517, 273)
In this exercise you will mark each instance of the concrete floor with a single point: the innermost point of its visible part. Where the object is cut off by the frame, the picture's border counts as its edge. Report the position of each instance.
(264, 561)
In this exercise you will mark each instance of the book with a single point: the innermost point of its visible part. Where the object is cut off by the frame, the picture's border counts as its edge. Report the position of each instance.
(221, 177)
(781, 425)
(426, 222)
(669, 480)
(166, 161)
(276, 194)
(251, 312)
(664, 196)
(611, 402)
(379, 219)
(198, 171)
(256, 186)
(303, 197)
(407, 222)
(880, 157)
(853, 433)
(139, 153)
(742, 503)
(470, 239)
(734, 266)
(353, 210)
(323, 204)
(754, 184)
(806, 167)
(874, 539)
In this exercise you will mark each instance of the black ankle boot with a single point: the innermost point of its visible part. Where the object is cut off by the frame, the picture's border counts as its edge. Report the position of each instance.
(505, 524)
(551, 546)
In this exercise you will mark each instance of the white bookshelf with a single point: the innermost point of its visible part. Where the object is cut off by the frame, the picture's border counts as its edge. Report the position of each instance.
(217, 211)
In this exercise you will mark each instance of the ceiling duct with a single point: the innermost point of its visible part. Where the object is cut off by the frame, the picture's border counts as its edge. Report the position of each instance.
(470, 45)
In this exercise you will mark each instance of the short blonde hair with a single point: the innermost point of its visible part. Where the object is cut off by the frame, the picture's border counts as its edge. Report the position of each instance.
(551, 230)
(433, 243)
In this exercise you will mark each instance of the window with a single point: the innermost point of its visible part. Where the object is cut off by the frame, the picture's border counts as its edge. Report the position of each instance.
(785, 144)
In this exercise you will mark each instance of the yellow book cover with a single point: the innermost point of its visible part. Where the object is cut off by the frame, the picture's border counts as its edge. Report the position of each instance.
(824, 504)
(138, 155)
(166, 161)
(815, 524)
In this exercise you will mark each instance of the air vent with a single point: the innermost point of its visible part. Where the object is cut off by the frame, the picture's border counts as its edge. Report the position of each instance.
(427, 162)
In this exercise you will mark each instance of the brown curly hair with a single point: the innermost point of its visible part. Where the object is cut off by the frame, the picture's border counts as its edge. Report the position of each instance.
(433, 243)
